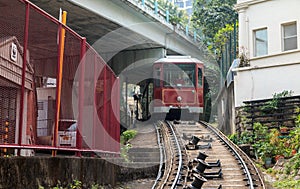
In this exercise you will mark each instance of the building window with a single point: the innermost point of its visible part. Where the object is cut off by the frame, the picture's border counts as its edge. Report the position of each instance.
(40, 105)
(260, 42)
(189, 3)
(200, 77)
(189, 11)
(289, 36)
(180, 4)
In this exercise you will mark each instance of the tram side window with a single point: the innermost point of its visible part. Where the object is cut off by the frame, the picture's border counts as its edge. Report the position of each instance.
(200, 77)
(157, 77)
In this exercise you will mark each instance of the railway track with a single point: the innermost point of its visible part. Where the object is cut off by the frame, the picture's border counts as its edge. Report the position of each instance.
(170, 175)
(196, 155)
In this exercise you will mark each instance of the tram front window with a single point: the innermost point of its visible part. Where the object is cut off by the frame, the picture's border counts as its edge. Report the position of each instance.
(179, 75)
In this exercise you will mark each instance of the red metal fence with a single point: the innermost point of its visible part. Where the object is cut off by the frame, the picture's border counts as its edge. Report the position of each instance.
(30, 49)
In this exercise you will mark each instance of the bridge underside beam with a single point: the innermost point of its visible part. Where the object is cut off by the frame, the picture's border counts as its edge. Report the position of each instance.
(135, 65)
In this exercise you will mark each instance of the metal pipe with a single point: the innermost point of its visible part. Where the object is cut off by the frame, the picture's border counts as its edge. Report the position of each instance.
(23, 76)
(59, 77)
(42, 147)
(95, 114)
(104, 139)
(50, 17)
(81, 96)
(118, 121)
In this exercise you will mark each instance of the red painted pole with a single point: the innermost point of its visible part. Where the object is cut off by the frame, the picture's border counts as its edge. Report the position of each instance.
(117, 114)
(104, 121)
(59, 78)
(81, 97)
(95, 113)
(23, 77)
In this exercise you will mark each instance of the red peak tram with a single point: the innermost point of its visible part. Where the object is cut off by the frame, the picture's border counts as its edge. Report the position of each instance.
(178, 88)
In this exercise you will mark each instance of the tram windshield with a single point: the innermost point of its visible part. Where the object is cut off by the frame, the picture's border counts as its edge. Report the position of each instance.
(179, 75)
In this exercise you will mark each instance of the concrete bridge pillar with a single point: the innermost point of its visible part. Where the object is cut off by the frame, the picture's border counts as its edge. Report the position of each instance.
(130, 59)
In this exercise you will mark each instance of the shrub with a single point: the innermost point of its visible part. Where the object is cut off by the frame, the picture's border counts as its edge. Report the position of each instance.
(127, 135)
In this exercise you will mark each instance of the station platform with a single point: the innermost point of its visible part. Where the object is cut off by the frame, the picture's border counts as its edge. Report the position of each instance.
(143, 153)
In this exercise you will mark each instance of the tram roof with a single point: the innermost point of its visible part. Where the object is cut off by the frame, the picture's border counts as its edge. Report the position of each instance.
(178, 59)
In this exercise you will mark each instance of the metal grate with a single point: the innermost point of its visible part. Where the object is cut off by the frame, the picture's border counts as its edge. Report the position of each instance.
(39, 105)
(8, 99)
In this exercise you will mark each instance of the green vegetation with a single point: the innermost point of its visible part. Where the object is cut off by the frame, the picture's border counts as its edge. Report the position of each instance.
(214, 19)
(76, 184)
(287, 183)
(246, 137)
(262, 145)
(125, 145)
(176, 16)
(297, 120)
(270, 143)
(127, 135)
(220, 39)
(272, 105)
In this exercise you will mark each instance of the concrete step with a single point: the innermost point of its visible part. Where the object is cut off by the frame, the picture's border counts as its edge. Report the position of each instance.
(136, 164)
(144, 155)
(138, 159)
(139, 164)
(143, 150)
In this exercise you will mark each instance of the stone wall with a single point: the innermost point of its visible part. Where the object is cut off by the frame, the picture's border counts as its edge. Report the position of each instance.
(32, 172)
(226, 113)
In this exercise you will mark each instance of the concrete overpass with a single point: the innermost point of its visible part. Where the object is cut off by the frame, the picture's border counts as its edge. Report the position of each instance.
(128, 34)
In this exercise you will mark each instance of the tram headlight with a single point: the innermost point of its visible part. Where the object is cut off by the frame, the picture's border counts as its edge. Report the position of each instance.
(179, 98)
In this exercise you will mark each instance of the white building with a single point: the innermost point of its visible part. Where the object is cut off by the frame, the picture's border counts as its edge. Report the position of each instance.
(269, 33)
(186, 5)
(269, 38)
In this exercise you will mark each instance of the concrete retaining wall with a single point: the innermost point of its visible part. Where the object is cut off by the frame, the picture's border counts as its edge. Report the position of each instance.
(226, 110)
(32, 172)
(128, 174)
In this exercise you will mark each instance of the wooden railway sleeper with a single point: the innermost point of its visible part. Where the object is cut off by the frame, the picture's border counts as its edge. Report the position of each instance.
(210, 164)
(203, 156)
(193, 138)
(212, 173)
(200, 168)
(206, 138)
(197, 147)
(192, 187)
(214, 164)
(209, 175)
(198, 182)
(212, 176)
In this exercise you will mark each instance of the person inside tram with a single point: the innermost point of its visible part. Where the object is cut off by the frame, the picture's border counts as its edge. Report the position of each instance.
(180, 80)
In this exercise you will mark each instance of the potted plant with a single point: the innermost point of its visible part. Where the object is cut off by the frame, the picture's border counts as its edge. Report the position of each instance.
(244, 142)
(284, 130)
(264, 143)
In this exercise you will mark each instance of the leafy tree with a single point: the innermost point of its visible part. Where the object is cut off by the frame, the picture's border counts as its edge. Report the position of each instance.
(210, 16)
(176, 16)
(220, 39)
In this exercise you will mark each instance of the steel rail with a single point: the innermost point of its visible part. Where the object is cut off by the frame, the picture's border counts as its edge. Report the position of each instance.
(248, 174)
(180, 157)
(161, 158)
(249, 159)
